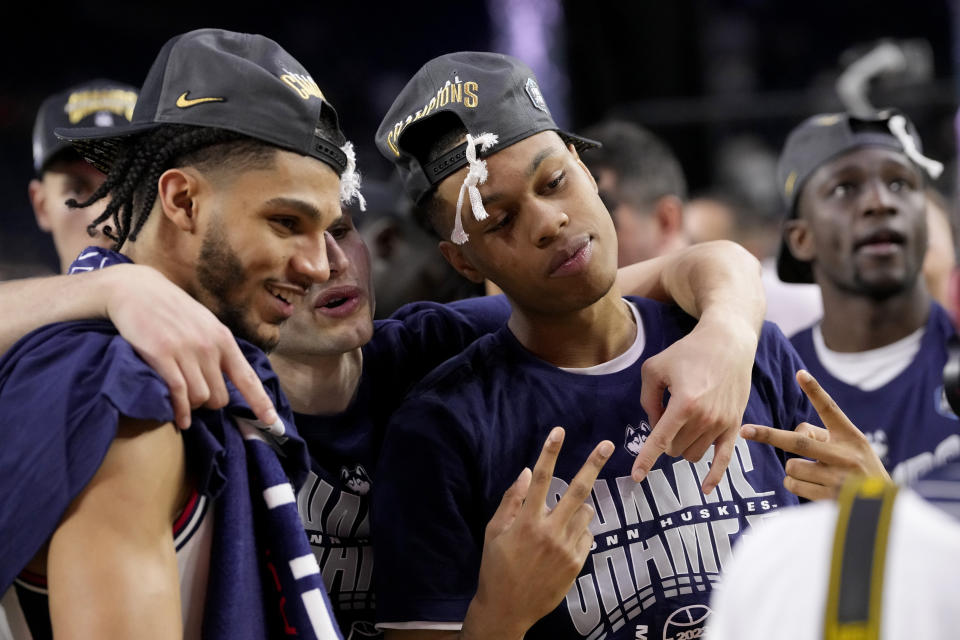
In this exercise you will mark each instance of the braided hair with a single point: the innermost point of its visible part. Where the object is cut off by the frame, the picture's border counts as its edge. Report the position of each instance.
(140, 161)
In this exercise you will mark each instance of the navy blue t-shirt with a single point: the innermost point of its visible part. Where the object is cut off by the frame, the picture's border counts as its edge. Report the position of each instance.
(463, 435)
(908, 420)
(334, 502)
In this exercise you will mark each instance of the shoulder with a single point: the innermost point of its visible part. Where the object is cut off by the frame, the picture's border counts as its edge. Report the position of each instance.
(798, 537)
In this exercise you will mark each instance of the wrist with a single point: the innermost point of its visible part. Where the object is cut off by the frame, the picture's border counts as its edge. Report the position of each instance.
(737, 323)
(486, 622)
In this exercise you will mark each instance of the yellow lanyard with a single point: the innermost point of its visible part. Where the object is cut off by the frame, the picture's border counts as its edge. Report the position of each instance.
(855, 595)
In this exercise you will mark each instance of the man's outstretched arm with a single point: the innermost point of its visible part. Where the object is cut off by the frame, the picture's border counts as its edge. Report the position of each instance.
(174, 334)
(111, 565)
(708, 372)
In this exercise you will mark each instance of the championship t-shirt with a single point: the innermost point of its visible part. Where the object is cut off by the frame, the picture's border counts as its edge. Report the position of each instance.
(334, 503)
(464, 434)
(907, 420)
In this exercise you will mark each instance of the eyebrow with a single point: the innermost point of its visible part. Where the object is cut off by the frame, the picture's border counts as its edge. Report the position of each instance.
(532, 169)
(538, 160)
(298, 205)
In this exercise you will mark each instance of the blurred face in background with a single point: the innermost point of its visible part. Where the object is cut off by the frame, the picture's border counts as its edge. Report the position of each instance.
(62, 180)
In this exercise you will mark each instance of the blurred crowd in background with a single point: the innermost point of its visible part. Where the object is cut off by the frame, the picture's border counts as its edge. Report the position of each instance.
(699, 93)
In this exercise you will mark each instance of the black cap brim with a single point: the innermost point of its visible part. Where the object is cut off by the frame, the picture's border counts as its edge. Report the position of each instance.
(579, 142)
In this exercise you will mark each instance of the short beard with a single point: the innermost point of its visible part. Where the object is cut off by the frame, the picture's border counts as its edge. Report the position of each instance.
(220, 273)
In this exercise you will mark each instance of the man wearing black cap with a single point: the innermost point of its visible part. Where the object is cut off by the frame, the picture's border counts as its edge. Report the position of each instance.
(343, 413)
(226, 179)
(854, 193)
(61, 174)
(480, 154)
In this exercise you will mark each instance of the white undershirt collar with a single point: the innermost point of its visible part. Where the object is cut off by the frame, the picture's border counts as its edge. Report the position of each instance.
(868, 370)
(623, 360)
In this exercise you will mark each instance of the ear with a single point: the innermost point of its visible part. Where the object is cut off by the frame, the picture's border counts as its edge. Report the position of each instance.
(576, 156)
(668, 212)
(177, 191)
(454, 255)
(799, 238)
(38, 199)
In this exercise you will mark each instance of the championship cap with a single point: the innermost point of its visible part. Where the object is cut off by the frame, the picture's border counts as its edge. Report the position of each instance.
(94, 104)
(240, 82)
(495, 97)
(821, 138)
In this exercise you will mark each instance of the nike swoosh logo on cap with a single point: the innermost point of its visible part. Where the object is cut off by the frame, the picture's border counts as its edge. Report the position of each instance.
(183, 102)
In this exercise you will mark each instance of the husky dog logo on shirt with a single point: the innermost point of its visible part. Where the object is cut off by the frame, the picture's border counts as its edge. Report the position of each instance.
(635, 437)
(355, 479)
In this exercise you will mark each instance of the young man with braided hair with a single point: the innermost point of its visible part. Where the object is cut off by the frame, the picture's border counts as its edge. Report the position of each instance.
(229, 196)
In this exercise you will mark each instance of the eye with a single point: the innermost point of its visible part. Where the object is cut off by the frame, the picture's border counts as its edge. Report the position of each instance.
(340, 231)
(842, 189)
(287, 222)
(557, 180)
(899, 184)
(502, 223)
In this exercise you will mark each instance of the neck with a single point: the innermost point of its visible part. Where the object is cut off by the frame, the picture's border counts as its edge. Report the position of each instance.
(582, 338)
(854, 323)
(319, 385)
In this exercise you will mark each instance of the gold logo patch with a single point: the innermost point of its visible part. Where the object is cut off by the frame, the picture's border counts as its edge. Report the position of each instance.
(81, 104)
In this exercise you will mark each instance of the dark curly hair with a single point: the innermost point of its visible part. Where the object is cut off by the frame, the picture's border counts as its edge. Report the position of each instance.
(131, 183)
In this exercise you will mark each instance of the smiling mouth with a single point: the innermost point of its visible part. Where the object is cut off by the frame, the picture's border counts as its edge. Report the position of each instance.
(282, 294)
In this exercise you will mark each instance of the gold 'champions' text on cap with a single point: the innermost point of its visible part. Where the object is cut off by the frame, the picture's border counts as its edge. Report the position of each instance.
(456, 92)
(303, 84)
(81, 104)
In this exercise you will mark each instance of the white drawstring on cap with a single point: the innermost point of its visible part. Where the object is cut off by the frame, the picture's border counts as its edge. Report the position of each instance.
(898, 127)
(350, 179)
(476, 175)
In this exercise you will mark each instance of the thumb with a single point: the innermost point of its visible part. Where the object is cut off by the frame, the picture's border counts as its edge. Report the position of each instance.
(510, 505)
(651, 391)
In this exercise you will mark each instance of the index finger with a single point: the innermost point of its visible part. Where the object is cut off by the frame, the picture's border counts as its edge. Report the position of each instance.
(543, 470)
(582, 484)
(245, 379)
(829, 411)
(793, 442)
(656, 444)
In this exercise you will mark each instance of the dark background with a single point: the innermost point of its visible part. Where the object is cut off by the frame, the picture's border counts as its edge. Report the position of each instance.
(722, 81)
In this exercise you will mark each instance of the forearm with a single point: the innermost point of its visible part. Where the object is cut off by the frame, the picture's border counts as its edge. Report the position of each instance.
(28, 304)
(719, 278)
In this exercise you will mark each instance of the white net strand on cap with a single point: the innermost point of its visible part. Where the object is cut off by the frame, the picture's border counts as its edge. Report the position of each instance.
(898, 127)
(476, 175)
(350, 179)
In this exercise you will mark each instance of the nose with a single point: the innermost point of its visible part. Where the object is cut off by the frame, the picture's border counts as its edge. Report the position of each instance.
(308, 263)
(878, 199)
(336, 258)
(548, 222)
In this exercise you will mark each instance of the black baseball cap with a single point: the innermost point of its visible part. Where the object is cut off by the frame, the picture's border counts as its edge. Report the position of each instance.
(823, 137)
(241, 82)
(95, 104)
(486, 92)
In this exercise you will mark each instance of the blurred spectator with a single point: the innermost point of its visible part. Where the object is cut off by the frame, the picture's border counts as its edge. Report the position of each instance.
(404, 261)
(856, 192)
(643, 185)
(941, 258)
(61, 174)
